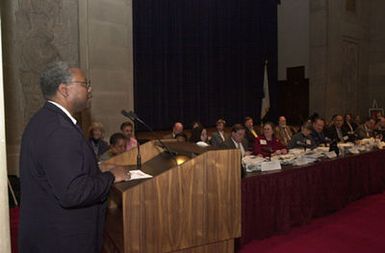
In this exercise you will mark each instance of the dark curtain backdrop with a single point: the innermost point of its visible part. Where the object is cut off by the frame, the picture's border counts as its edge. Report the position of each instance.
(203, 59)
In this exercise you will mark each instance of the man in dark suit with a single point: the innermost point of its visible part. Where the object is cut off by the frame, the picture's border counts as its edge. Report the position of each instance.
(63, 192)
(218, 137)
(237, 140)
(366, 130)
(250, 133)
(317, 133)
(335, 132)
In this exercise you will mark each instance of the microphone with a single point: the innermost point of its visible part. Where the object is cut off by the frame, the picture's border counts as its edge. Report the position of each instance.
(132, 116)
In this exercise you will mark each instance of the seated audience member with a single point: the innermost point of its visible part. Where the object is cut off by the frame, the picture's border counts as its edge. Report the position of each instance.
(218, 137)
(96, 134)
(250, 133)
(199, 134)
(366, 130)
(349, 125)
(357, 120)
(196, 124)
(127, 129)
(317, 133)
(380, 129)
(176, 129)
(267, 144)
(237, 140)
(303, 139)
(118, 143)
(181, 137)
(283, 131)
(335, 132)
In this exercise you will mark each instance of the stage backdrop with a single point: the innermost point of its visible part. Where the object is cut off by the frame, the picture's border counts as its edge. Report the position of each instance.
(203, 59)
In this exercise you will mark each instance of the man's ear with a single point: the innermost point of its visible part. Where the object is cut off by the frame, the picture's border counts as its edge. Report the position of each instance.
(63, 90)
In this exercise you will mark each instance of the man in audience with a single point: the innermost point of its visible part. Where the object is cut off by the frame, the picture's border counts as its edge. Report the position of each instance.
(118, 144)
(250, 133)
(366, 130)
(283, 132)
(380, 128)
(349, 125)
(335, 132)
(176, 129)
(127, 129)
(237, 140)
(303, 139)
(317, 133)
(218, 137)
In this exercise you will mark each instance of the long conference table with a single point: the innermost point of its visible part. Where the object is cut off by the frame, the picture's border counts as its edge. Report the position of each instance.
(273, 202)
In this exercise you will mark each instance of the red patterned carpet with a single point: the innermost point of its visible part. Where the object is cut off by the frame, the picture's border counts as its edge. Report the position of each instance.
(358, 228)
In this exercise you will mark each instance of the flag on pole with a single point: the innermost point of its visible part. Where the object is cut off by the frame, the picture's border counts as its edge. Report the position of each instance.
(266, 94)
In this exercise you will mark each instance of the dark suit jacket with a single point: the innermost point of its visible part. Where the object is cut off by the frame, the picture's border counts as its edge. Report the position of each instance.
(216, 139)
(331, 133)
(229, 144)
(63, 192)
(249, 139)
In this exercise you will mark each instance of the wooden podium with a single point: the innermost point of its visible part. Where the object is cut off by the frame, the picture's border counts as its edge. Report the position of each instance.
(194, 207)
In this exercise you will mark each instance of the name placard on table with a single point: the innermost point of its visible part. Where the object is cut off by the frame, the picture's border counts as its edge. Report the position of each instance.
(272, 165)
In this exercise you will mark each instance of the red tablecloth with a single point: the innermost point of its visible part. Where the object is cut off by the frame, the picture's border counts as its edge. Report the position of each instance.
(272, 203)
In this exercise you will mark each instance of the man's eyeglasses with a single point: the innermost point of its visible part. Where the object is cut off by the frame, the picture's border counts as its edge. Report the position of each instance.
(85, 84)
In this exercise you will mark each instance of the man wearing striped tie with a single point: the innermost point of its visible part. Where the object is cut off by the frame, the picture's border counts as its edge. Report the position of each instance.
(250, 133)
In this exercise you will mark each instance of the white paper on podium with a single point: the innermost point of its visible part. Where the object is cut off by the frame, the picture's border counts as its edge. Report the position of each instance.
(138, 174)
(272, 165)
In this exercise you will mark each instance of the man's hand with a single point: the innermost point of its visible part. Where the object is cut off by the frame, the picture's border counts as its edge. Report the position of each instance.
(120, 174)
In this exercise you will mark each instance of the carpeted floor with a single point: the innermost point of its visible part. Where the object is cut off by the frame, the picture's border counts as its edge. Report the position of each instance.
(358, 228)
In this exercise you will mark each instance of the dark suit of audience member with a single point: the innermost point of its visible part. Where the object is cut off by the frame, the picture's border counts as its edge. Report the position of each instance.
(303, 139)
(250, 133)
(63, 191)
(317, 133)
(366, 130)
(318, 138)
(231, 144)
(363, 132)
(218, 137)
(335, 132)
(237, 139)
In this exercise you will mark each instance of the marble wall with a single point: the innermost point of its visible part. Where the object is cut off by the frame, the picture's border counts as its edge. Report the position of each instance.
(96, 35)
(35, 32)
(346, 56)
(107, 55)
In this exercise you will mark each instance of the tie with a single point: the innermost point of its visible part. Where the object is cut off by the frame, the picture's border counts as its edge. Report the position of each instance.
(287, 138)
(253, 133)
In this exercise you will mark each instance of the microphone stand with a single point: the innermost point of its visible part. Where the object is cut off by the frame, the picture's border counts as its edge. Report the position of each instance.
(138, 158)
(132, 116)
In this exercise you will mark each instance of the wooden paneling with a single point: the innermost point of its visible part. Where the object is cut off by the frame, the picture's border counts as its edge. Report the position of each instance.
(148, 150)
(185, 207)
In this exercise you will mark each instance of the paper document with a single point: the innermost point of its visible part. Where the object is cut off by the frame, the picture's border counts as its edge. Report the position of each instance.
(138, 174)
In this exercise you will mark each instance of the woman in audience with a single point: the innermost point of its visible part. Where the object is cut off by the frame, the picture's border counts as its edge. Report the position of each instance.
(199, 135)
(96, 134)
(267, 145)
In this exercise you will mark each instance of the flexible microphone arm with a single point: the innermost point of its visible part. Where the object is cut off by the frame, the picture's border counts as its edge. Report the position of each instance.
(132, 116)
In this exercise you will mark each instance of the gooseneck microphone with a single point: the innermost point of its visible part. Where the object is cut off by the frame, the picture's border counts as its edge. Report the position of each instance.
(132, 116)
